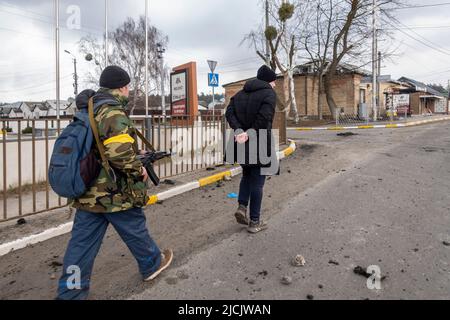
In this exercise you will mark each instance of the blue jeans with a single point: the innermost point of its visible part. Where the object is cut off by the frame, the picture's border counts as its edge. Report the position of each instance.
(251, 190)
(87, 235)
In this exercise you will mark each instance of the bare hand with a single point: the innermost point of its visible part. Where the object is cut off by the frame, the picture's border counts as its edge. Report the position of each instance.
(144, 174)
(242, 138)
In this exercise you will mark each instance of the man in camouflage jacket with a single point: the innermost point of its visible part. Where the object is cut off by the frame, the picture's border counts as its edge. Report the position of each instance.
(115, 199)
(118, 136)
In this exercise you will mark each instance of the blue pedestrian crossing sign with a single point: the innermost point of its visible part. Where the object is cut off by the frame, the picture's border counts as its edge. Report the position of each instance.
(213, 79)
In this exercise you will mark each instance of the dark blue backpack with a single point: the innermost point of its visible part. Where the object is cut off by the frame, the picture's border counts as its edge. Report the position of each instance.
(74, 166)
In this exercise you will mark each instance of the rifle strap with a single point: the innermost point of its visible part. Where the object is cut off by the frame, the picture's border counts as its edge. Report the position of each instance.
(145, 141)
(100, 146)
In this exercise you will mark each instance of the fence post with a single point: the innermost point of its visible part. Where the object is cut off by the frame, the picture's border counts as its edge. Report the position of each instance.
(337, 116)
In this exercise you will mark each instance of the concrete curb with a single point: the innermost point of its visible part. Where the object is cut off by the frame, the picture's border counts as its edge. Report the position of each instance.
(387, 126)
(9, 247)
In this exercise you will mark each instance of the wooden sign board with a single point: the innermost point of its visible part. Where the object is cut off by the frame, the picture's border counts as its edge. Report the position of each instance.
(184, 91)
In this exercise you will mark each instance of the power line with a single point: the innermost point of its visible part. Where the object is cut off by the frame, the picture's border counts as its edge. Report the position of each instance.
(420, 27)
(430, 42)
(93, 29)
(37, 86)
(418, 40)
(422, 6)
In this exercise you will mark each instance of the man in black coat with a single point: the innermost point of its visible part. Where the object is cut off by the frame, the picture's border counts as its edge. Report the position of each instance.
(250, 114)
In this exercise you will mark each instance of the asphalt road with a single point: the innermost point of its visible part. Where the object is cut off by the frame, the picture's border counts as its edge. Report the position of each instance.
(390, 209)
(378, 198)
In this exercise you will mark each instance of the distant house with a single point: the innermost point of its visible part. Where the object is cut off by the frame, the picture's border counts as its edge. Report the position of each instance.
(16, 113)
(66, 108)
(424, 99)
(5, 111)
(388, 87)
(30, 110)
(345, 88)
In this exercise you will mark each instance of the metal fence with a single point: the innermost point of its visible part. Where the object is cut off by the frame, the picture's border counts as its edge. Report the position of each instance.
(386, 117)
(26, 147)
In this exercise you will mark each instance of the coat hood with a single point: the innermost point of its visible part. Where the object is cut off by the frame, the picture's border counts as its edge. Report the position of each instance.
(256, 85)
(82, 99)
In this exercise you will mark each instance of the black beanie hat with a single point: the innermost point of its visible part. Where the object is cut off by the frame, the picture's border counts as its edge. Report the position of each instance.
(114, 77)
(266, 74)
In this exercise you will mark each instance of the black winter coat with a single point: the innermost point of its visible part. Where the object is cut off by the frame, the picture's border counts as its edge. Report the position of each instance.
(253, 108)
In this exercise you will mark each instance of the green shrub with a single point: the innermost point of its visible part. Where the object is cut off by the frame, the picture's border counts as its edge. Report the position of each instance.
(27, 130)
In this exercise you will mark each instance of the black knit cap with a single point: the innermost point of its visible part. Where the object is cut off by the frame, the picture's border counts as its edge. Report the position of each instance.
(266, 74)
(114, 77)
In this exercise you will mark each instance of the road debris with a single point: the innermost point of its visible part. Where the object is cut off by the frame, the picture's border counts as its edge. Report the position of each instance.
(298, 261)
(286, 280)
(21, 222)
(263, 273)
(310, 297)
(346, 134)
(182, 275)
(333, 262)
(170, 182)
(55, 264)
(362, 272)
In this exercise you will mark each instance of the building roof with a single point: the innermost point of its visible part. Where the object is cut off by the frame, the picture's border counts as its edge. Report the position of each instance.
(383, 79)
(5, 110)
(419, 86)
(343, 67)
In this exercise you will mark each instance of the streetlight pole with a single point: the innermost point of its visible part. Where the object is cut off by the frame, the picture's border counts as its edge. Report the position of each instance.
(374, 60)
(267, 40)
(75, 75)
(106, 34)
(161, 52)
(57, 52)
(146, 60)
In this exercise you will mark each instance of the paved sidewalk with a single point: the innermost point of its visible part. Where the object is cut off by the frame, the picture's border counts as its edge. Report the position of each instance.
(413, 121)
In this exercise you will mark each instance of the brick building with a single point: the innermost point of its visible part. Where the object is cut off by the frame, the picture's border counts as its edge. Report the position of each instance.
(345, 87)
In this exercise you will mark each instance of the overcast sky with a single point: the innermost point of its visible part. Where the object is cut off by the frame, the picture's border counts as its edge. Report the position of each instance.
(197, 29)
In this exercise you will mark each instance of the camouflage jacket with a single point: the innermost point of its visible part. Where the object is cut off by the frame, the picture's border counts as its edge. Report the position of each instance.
(117, 134)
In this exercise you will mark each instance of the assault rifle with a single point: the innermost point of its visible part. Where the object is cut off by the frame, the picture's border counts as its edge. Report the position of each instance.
(149, 159)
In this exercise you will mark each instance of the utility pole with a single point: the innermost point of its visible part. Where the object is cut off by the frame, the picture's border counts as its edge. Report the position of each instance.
(75, 74)
(146, 60)
(267, 41)
(378, 78)
(57, 53)
(374, 60)
(161, 51)
(448, 89)
(106, 34)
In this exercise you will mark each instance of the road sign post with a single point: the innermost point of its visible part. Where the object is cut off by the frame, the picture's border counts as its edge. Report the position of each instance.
(213, 81)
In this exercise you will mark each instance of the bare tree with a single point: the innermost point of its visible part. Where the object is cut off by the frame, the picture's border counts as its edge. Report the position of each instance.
(282, 36)
(339, 31)
(128, 52)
